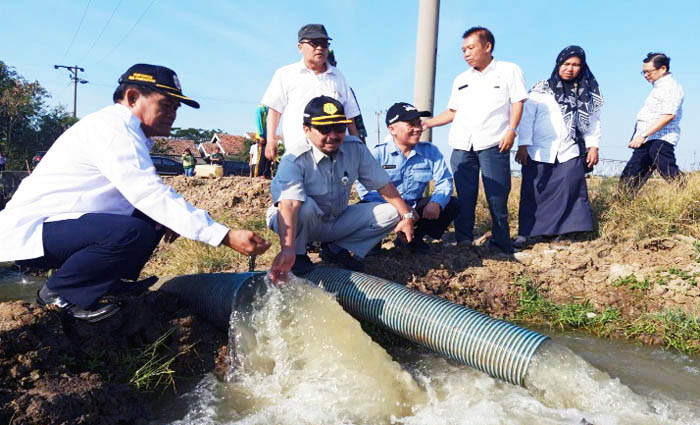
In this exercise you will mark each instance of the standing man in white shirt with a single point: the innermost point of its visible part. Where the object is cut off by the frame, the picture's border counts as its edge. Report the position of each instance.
(95, 209)
(485, 107)
(657, 129)
(294, 85)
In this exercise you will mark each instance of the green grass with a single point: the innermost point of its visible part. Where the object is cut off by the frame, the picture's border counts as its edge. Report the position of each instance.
(631, 282)
(680, 330)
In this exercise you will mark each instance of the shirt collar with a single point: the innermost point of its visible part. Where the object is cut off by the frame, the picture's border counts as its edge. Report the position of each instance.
(490, 67)
(330, 69)
(394, 149)
(663, 79)
(134, 123)
(316, 152)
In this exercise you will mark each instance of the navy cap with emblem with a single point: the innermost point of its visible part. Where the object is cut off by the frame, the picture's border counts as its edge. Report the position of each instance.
(159, 78)
(312, 31)
(324, 110)
(403, 111)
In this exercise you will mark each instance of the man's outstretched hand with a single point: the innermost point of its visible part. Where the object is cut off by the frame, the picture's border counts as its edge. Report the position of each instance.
(246, 242)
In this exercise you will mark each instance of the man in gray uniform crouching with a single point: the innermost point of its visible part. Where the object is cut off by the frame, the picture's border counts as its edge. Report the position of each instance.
(311, 191)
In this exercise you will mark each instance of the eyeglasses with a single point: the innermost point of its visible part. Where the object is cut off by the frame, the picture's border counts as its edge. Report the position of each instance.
(317, 43)
(645, 73)
(326, 129)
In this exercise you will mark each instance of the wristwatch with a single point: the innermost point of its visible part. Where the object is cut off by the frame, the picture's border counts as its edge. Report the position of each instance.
(409, 215)
(513, 130)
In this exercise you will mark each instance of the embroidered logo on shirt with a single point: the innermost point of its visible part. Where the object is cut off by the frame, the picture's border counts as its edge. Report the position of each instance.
(388, 167)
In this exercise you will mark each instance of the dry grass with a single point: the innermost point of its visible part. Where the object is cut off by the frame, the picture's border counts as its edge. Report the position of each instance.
(659, 209)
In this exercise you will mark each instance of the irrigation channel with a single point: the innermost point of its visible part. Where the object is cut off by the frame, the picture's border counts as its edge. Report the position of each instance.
(299, 358)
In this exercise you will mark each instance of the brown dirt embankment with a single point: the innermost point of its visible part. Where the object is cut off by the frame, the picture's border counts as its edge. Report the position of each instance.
(57, 371)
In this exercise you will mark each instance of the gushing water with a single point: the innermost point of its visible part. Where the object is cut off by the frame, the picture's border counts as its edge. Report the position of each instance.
(300, 359)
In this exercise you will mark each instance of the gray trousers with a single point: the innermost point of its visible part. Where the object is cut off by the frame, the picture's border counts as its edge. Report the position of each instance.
(357, 229)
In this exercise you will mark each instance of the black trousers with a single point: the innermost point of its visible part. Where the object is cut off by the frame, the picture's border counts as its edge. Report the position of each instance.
(435, 228)
(652, 155)
(92, 253)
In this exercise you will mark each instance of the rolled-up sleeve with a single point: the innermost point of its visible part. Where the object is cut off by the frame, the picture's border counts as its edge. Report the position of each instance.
(592, 136)
(288, 183)
(526, 127)
(443, 179)
(126, 162)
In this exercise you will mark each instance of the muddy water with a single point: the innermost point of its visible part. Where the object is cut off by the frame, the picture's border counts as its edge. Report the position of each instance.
(17, 286)
(302, 360)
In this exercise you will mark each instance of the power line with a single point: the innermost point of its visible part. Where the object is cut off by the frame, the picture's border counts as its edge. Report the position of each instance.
(77, 30)
(102, 32)
(128, 32)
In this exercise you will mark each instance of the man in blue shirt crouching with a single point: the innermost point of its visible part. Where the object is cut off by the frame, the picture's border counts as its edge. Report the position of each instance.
(412, 164)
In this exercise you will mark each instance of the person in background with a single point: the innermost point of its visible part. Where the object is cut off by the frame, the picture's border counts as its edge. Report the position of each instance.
(96, 209)
(263, 166)
(294, 85)
(216, 157)
(411, 165)
(657, 129)
(311, 191)
(253, 157)
(558, 142)
(485, 107)
(188, 162)
(359, 122)
(3, 161)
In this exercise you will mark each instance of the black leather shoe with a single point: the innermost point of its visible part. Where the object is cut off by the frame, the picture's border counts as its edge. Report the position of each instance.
(46, 296)
(302, 264)
(342, 258)
(134, 288)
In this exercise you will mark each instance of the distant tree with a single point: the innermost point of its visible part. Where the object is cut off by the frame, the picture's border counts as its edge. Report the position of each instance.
(199, 135)
(21, 107)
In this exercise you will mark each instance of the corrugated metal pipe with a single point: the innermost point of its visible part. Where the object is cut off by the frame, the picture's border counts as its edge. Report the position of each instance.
(496, 347)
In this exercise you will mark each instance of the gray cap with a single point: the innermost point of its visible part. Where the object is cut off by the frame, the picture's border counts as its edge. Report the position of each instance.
(313, 31)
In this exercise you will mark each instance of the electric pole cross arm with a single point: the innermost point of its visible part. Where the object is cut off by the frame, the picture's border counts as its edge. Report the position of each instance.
(74, 70)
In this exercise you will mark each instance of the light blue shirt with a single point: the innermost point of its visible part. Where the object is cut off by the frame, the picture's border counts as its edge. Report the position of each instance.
(411, 175)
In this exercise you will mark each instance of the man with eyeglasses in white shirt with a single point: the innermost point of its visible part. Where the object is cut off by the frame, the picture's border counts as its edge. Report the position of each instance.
(657, 129)
(294, 85)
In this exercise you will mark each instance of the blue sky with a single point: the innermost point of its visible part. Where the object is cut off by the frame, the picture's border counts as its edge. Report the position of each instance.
(225, 52)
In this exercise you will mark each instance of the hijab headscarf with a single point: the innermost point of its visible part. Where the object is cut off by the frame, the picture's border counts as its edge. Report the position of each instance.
(578, 98)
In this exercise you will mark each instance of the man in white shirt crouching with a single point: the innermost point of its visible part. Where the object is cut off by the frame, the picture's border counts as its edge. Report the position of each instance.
(95, 209)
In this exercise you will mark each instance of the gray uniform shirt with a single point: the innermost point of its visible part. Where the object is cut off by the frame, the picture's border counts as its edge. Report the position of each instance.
(305, 172)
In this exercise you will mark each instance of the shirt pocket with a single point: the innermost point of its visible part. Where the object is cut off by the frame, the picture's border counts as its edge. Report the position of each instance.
(419, 179)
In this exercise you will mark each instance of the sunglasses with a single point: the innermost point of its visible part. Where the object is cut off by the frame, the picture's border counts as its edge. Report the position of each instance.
(326, 129)
(317, 43)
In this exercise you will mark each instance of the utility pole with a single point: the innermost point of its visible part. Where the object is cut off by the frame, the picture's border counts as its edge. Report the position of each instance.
(426, 53)
(378, 114)
(74, 70)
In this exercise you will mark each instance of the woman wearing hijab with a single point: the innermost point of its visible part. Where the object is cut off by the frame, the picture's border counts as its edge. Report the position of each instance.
(558, 143)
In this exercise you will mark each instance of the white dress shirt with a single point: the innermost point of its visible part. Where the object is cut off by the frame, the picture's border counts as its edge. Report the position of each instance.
(666, 98)
(100, 165)
(482, 103)
(254, 153)
(294, 85)
(543, 131)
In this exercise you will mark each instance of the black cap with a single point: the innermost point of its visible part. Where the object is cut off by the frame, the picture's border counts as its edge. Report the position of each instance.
(157, 77)
(403, 111)
(324, 110)
(313, 31)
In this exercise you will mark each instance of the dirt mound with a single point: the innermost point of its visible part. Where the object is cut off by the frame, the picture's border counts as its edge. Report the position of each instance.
(54, 370)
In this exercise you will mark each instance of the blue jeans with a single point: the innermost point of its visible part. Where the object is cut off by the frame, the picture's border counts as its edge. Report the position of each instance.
(189, 172)
(495, 173)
